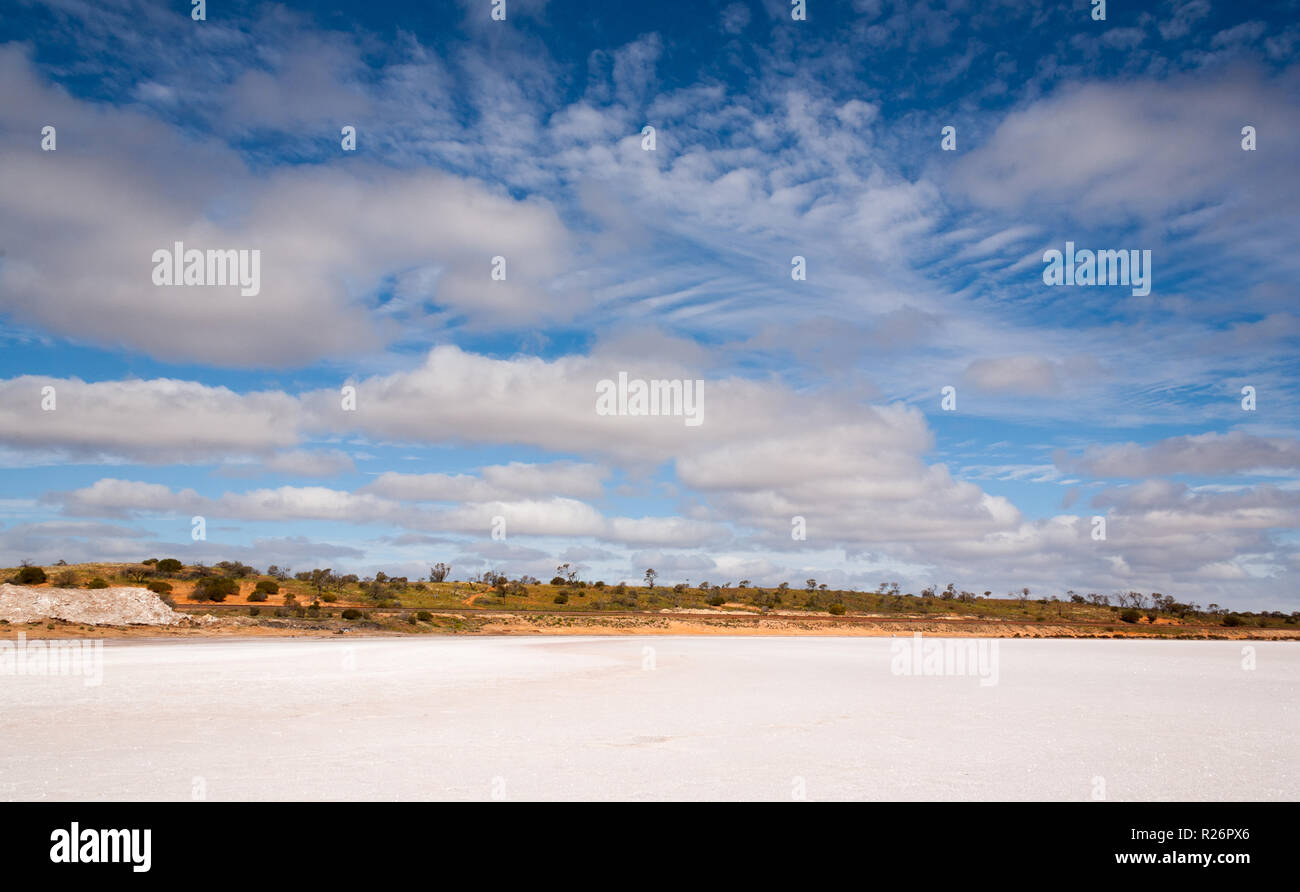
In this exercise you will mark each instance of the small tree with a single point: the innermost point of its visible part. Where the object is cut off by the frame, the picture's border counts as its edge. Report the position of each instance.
(438, 572)
(138, 572)
(650, 577)
(322, 579)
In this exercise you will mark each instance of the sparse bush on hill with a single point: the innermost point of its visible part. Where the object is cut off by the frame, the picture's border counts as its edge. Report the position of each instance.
(268, 587)
(424, 616)
(557, 580)
(66, 579)
(329, 597)
(255, 611)
(837, 609)
(1130, 616)
(716, 600)
(170, 565)
(97, 582)
(1232, 621)
(257, 595)
(236, 569)
(561, 598)
(159, 588)
(351, 613)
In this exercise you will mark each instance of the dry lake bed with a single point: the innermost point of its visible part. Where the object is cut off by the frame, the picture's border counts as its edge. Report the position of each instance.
(657, 718)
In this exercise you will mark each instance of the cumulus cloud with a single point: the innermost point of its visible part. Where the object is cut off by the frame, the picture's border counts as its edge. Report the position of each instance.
(1206, 454)
(494, 482)
(1144, 149)
(81, 225)
(160, 420)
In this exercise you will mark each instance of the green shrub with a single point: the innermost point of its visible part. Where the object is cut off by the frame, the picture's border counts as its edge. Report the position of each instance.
(170, 565)
(254, 611)
(424, 616)
(716, 600)
(257, 595)
(268, 586)
(837, 609)
(30, 576)
(1130, 615)
(352, 613)
(561, 598)
(159, 588)
(1232, 620)
(214, 588)
(66, 579)
(329, 597)
(97, 582)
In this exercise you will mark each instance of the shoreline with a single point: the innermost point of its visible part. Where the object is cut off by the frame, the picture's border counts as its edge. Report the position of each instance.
(530, 624)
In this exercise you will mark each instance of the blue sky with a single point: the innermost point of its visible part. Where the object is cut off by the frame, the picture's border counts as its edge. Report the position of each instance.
(775, 138)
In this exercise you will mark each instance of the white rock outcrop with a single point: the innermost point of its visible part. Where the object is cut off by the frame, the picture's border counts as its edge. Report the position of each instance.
(119, 606)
